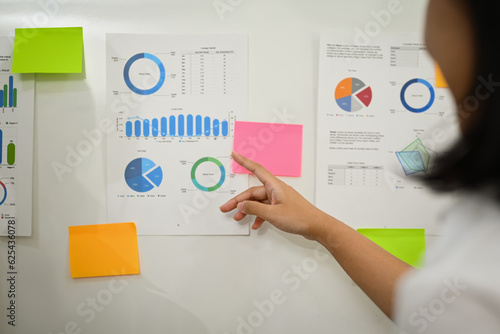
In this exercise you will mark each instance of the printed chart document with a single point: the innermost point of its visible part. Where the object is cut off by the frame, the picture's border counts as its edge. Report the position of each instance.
(172, 104)
(381, 121)
(17, 94)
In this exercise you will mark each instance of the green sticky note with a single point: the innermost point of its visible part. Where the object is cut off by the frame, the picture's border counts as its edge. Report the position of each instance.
(406, 244)
(48, 50)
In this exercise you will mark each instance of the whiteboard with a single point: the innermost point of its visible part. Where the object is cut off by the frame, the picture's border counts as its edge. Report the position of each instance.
(268, 282)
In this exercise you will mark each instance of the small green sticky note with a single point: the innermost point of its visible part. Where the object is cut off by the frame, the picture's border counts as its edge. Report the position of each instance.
(406, 244)
(48, 50)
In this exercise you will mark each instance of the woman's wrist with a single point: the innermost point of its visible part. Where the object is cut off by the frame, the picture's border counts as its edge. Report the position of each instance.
(323, 229)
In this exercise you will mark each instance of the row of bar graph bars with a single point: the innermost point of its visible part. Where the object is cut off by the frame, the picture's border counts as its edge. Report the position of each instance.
(179, 126)
(11, 151)
(8, 95)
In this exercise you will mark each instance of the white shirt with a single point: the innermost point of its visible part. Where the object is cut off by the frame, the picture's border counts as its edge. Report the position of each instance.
(458, 291)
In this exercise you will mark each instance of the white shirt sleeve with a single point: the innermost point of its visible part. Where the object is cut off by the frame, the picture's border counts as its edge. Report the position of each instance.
(430, 304)
(458, 291)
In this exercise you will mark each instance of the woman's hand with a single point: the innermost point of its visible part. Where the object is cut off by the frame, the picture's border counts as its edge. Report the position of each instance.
(374, 270)
(275, 202)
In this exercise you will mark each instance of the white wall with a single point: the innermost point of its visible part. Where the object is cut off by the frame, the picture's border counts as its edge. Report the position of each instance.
(187, 284)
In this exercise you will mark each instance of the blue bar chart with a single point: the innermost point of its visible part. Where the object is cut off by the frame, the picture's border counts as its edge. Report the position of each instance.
(177, 126)
(8, 95)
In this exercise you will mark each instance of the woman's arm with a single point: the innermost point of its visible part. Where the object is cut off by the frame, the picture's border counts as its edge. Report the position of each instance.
(374, 270)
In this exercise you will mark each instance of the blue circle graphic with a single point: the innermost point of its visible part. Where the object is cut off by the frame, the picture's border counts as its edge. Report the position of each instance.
(431, 100)
(143, 175)
(126, 74)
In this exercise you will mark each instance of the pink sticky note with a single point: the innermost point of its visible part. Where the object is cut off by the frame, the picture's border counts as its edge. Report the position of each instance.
(278, 147)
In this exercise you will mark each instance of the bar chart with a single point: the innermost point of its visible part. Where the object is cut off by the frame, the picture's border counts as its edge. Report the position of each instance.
(10, 148)
(8, 95)
(177, 126)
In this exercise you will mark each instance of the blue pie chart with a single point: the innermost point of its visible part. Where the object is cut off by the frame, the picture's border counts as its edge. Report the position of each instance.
(143, 175)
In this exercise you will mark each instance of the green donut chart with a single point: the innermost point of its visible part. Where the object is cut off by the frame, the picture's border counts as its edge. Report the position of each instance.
(222, 174)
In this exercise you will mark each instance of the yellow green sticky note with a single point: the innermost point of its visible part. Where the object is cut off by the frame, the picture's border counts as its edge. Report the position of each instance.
(103, 250)
(48, 50)
(406, 244)
(440, 80)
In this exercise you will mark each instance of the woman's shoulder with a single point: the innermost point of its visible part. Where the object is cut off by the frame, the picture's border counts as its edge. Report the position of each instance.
(458, 286)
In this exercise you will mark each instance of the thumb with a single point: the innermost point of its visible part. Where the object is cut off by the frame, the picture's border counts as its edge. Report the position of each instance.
(264, 211)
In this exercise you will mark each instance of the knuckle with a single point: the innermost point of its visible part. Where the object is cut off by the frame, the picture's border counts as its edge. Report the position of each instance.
(254, 188)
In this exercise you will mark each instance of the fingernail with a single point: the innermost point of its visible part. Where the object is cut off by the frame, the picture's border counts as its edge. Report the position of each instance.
(240, 206)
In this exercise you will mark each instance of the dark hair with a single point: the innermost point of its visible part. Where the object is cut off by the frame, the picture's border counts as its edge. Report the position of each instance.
(473, 163)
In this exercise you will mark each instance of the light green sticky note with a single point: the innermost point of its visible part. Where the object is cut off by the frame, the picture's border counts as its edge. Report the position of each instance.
(48, 50)
(406, 244)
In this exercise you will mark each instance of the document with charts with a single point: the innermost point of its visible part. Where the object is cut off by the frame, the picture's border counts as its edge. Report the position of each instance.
(172, 101)
(17, 106)
(381, 121)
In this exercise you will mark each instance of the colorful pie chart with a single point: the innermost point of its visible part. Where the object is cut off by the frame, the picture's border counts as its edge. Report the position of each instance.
(352, 94)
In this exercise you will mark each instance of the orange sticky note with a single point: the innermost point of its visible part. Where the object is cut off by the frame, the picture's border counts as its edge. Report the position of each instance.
(440, 80)
(103, 250)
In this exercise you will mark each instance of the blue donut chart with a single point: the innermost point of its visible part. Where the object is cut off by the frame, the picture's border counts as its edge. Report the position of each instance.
(126, 73)
(431, 99)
